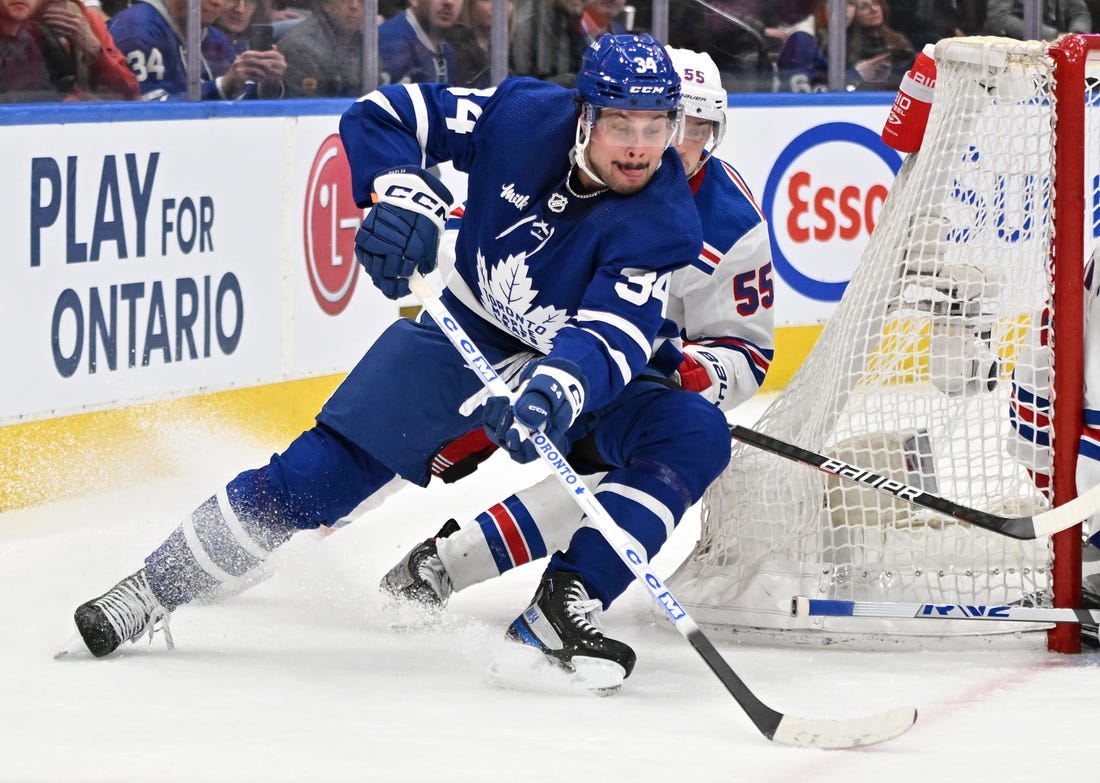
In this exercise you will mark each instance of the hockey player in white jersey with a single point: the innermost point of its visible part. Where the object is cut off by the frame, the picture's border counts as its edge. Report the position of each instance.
(1029, 415)
(723, 305)
(561, 276)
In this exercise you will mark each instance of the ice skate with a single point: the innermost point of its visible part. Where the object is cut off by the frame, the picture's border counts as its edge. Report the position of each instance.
(561, 624)
(420, 578)
(123, 613)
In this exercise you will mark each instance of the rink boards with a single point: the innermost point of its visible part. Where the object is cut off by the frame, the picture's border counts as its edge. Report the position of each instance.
(192, 263)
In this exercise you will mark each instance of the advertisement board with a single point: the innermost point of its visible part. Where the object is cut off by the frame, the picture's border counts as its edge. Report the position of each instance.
(154, 252)
(154, 259)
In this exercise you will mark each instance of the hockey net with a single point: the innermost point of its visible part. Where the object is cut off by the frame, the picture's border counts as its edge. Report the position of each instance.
(935, 370)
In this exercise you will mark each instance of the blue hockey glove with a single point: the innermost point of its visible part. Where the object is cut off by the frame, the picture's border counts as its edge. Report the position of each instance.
(400, 235)
(549, 401)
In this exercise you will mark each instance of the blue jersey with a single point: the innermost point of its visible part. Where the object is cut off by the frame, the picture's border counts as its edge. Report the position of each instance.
(154, 49)
(583, 279)
(405, 53)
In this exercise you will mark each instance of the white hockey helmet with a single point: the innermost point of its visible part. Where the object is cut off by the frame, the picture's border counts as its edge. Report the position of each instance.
(701, 91)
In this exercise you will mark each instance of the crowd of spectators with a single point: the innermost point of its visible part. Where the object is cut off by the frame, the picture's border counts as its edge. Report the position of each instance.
(128, 49)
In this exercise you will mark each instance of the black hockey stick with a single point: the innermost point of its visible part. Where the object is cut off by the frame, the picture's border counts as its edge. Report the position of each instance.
(801, 606)
(784, 729)
(1045, 523)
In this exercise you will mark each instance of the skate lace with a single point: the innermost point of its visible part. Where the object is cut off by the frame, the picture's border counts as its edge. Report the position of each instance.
(133, 610)
(583, 611)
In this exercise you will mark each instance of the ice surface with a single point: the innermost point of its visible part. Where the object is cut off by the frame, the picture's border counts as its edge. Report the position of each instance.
(303, 677)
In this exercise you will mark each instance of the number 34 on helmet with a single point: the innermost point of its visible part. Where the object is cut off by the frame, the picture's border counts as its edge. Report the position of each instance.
(629, 73)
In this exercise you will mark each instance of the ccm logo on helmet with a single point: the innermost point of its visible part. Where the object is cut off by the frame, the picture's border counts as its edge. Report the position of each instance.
(647, 88)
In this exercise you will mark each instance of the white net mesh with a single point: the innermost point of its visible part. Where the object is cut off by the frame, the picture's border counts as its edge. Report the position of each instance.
(913, 378)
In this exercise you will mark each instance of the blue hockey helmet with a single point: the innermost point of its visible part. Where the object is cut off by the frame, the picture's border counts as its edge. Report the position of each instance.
(629, 73)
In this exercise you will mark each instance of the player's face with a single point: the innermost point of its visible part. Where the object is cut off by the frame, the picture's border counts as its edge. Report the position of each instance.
(697, 134)
(625, 147)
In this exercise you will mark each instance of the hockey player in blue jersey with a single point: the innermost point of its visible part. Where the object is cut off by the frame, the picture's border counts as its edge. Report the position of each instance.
(561, 276)
(723, 305)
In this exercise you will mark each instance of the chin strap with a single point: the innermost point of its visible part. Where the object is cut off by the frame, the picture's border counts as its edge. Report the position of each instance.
(584, 135)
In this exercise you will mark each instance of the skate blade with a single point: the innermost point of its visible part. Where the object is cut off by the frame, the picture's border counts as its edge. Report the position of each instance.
(74, 647)
(522, 667)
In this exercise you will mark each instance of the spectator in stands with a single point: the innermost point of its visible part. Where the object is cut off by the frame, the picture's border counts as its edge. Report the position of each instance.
(878, 54)
(546, 41)
(56, 53)
(34, 65)
(742, 36)
(801, 65)
(411, 47)
(151, 35)
(238, 17)
(1006, 17)
(599, 18)
(324, 54)
(101, 68)
(239, 21)
(470, 40)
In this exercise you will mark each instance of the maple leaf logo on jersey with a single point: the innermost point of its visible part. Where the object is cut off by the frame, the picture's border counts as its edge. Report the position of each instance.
(507, 292)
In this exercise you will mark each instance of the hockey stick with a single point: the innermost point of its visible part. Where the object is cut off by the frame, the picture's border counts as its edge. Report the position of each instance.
(784, 729)
(801, 606)
(1045, 523)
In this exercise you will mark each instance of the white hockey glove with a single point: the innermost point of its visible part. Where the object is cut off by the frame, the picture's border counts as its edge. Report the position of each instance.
(703, 372)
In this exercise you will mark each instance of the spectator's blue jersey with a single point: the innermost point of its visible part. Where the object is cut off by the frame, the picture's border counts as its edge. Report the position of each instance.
(582, 278)
(406, 56)
(154, 49)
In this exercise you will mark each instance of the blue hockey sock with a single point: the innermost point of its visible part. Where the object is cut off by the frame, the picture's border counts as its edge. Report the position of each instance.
(647, 502)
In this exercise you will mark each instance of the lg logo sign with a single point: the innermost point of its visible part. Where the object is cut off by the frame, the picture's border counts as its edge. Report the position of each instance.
(331, 219)
(825, 191)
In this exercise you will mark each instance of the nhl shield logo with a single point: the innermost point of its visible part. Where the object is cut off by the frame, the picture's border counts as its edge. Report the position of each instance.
(557, 202)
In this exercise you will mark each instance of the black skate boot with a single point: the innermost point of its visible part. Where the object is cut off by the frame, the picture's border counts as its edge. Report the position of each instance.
(562, 624)
(420, 577)
(123, 613)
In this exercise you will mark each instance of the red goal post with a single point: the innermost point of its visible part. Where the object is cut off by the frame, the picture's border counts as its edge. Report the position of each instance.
(1070, 55)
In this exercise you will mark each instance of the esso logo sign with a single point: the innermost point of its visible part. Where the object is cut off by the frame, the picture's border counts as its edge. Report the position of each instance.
(823, 197)
(331, 219)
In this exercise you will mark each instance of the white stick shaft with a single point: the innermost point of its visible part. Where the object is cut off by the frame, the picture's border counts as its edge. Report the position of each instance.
(597, 515)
